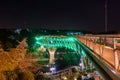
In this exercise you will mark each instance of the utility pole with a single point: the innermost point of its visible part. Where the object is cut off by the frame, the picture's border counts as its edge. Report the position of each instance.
(106, 23)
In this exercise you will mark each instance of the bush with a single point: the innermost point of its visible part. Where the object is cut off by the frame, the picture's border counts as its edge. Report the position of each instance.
(74, 70)
(27, 75)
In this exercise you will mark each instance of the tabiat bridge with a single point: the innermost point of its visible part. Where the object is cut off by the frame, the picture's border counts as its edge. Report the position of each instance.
(102, 50)
(52, 43)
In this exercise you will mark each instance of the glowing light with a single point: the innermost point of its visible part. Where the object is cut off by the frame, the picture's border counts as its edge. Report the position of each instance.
(53, 69)
(83, 53)
(65, 78)
(37, 42)
(75, 78)
(53, 41)
(80, 64)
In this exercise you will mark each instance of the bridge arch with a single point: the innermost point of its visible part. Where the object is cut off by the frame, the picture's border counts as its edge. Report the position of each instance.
(54, 42)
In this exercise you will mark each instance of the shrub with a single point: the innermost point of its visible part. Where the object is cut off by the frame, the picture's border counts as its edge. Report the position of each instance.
(74, 70)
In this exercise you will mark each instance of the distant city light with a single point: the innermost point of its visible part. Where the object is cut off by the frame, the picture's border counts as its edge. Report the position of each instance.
(18, 31)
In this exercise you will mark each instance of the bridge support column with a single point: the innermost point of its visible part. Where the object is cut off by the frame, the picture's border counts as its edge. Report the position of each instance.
(101, 51)
(116, 60)
(79, 49)
(52, 57)
(95, 41)
(70, 73)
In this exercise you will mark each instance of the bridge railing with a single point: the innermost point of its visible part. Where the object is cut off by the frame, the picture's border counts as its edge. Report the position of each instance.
(60, 73)
(106, 48)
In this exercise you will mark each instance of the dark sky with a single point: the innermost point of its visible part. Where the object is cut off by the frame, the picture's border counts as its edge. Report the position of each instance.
(60, 14)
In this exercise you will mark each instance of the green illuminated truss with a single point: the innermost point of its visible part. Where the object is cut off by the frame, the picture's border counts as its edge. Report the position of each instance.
(57, 41)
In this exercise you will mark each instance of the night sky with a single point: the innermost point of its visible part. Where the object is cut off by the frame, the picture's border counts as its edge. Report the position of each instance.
(60, 14)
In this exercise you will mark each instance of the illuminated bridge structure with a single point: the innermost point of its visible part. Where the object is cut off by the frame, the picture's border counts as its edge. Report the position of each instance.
(53, 42)
(58, 41)
(102, 50)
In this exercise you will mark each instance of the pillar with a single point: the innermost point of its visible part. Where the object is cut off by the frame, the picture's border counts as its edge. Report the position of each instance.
(78, 49)
(95, 41)
(70, 72)
(101, 50)
(52, 57)
(81, 60)
(116, 62)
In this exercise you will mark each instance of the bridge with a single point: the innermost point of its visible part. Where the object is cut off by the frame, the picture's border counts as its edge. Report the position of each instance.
(102, 50)
(51, 43)
(105, 50)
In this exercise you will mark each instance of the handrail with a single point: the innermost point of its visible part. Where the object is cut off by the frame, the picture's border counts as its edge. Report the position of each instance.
(59, 73)
(106, 70)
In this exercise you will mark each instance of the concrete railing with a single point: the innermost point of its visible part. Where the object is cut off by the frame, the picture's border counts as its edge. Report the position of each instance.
(111, 54)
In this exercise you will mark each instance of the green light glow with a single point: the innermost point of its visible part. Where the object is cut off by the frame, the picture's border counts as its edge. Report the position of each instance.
(83, 53)
(53, 41)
